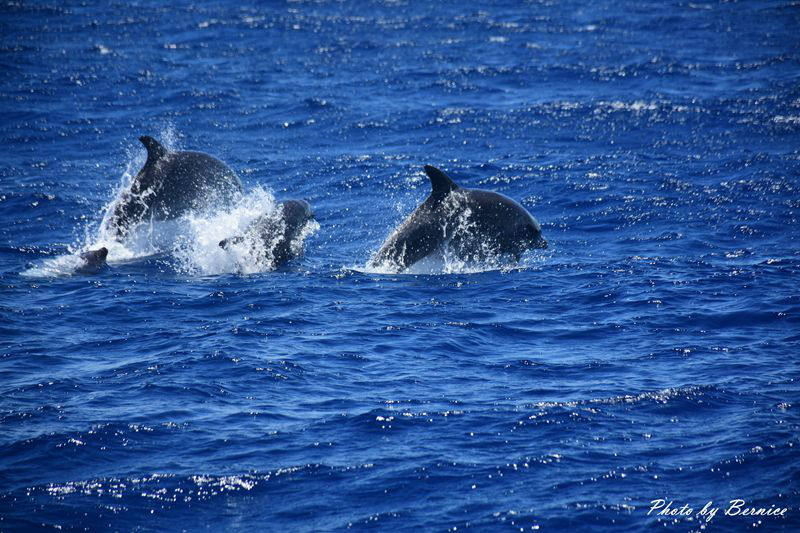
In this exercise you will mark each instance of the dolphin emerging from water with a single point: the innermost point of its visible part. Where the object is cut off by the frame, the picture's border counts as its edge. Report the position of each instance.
(172, 184)
(277, 235)
(474, 225)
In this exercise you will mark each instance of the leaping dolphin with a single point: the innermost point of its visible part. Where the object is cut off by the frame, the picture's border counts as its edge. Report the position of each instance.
(171, 184)
(474, 225)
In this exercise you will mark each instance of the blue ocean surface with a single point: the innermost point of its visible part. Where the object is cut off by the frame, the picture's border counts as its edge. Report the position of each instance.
(649, 353)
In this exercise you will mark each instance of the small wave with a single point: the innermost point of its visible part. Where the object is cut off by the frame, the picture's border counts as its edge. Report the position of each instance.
(167, 487)
(786, 119)
(317, 103)
(662, 396)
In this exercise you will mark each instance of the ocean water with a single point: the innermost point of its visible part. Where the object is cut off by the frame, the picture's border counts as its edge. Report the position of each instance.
(651, 352)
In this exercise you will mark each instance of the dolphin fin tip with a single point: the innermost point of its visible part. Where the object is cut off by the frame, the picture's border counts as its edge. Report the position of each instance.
(440, 182)
(154, 148)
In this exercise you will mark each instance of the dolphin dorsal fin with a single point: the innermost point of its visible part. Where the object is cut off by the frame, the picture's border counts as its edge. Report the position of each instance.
(441, 184)
(155, 150)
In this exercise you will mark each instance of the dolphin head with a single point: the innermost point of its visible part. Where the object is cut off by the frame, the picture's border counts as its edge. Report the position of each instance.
(297, 210)
(95, 256)
(93, 260)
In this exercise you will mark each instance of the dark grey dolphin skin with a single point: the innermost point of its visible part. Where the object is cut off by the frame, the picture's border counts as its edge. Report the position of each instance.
(277, 230)
(93, 261)
(172, 184)
(474, 223)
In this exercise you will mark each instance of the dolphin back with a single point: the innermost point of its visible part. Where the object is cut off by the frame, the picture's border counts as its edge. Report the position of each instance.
(191, 181)
(172, 184)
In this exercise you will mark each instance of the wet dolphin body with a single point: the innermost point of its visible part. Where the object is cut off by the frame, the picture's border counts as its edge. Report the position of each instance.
(171, 184)
(276, 233)
(92, 261)
(473, 223)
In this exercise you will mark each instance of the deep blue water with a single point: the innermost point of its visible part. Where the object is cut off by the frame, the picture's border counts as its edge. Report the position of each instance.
(650, 352)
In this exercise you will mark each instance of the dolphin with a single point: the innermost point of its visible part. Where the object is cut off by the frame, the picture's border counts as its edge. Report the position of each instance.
(275, 235)
(172, 184)
(473, 224)
(92, 261)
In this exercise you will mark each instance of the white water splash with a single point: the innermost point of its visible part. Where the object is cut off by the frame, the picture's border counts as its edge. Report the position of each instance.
(197, 251)
(445, 261)
(63, 265)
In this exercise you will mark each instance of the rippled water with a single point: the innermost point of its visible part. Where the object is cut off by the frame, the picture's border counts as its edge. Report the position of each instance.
(650, 352)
